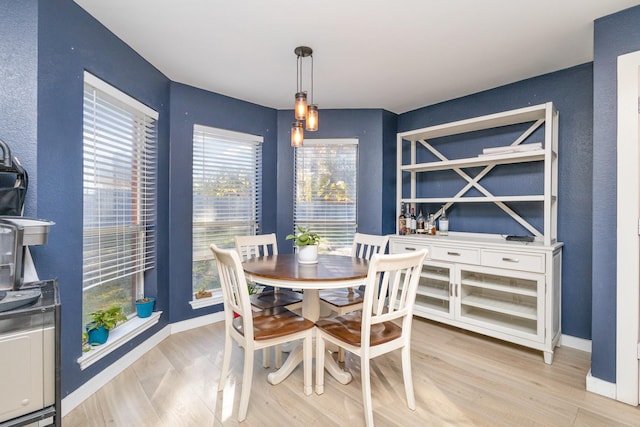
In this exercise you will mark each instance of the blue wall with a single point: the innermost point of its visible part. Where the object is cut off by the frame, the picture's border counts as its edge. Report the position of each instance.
(191, 106)
(614, 35)
(18, 87)
(69, 42)
(570, 91)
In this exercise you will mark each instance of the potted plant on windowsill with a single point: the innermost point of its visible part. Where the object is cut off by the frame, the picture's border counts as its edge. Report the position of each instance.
(102, 321)
(307, 243)
(144, 306)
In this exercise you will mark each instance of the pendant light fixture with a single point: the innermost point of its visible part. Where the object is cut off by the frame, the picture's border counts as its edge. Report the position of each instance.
(303, 111)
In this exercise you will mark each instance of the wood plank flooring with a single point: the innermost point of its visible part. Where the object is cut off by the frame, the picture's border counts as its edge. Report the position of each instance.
(460, 379)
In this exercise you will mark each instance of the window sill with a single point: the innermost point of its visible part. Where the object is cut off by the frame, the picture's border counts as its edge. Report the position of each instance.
(214, 299)
(117, 337)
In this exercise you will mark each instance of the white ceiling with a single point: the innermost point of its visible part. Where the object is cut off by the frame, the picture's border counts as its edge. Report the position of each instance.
(398, 55)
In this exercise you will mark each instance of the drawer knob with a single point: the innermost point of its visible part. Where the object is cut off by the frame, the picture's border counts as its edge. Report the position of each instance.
(409, 249)
(453, 253)
(510, 259)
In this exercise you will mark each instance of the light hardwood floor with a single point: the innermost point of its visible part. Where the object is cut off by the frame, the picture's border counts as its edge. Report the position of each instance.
(460, 379)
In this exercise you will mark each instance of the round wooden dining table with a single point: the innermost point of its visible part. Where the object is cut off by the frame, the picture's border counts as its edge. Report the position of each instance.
(330, 272)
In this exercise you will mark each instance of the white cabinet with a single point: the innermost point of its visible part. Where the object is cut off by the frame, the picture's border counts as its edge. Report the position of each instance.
(506, 290)
(479, 281)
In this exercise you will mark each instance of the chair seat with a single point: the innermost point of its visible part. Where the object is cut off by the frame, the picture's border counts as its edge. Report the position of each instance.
(274, 323)
(270, 299)
(342, 297)
(348, 328)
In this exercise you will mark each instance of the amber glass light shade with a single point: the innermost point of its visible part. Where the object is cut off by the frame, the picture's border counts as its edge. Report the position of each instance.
(301, 106)
(297, 134)
(312, 118)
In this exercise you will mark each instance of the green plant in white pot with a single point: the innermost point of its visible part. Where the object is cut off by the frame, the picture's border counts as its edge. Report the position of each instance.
(307, 243)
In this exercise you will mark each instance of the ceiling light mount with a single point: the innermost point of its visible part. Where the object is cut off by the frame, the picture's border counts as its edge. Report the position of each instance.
(303, 111)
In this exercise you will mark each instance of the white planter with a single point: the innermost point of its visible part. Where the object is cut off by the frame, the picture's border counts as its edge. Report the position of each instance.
(308, 254)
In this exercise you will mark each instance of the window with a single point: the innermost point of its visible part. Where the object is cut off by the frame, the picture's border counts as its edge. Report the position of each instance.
(119, 186)
(227, 182)
(326, 192)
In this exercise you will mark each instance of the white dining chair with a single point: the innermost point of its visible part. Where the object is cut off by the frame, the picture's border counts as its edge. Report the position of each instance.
(383, 325)
(264, 245)
(255, 330)
(343, 301)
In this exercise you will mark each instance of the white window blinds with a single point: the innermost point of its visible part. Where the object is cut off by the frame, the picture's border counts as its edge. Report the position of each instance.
(119, 185)
(326, 191)
(227, 183)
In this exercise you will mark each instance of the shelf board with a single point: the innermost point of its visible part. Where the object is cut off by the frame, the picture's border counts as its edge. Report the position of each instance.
(435, 276)
(511, 289)
(425, 303)
(440, 294)
(500, 306)
(497, 159)
(476, 199)
(505, 322)
(521, 115)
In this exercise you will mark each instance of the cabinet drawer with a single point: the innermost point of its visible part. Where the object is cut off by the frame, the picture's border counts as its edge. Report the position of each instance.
(463, 255)
(403, 247)
(514, 260)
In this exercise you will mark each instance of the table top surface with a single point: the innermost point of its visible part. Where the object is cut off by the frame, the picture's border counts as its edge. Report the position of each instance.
(286, 267)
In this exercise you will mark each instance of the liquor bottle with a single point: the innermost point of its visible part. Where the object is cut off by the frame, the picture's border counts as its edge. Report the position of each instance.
(444, 223)
(431, 225)
(402, 223)
(414, 221)
(420, 223)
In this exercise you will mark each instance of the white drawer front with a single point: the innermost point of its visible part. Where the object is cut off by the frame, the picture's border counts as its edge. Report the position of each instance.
(403, 247)
(514, 260)
(463, 255)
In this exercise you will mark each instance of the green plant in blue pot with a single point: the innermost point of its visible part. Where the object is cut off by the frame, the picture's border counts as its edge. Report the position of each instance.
(101, 322)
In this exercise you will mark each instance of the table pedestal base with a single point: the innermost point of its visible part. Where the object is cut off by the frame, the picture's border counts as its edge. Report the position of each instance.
(294, 359)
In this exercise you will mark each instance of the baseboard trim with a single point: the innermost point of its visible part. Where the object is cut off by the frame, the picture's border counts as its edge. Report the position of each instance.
(575, 342)
(82, 393)
(601, 387)
(197, 322)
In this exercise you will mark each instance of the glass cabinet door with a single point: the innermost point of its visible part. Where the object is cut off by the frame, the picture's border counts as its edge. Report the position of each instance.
(434, 289)
(511, 303)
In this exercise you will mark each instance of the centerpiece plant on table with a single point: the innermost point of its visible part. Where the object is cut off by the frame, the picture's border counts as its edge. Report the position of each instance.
(306, 242)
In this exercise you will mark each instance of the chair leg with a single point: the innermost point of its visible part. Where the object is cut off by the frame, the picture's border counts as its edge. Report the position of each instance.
(365, 377)
(341, 354)
(266, 357)
(307, 349)
(226, 360)
(408, 379)
(319, 363)
(247, 378)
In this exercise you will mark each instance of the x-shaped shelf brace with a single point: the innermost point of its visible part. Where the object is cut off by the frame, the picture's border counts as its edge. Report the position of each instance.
(474, 182)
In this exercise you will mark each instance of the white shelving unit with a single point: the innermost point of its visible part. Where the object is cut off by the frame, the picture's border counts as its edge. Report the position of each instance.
(481, 282)
(537, 116)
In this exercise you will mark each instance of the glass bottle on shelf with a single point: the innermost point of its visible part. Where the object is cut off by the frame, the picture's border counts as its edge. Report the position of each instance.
(420, 223)
(402, 223)
(444, 223)
(431, 225)
(414, 221)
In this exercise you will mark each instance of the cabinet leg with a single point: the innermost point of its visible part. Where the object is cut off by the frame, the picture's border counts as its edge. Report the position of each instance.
(548, 357)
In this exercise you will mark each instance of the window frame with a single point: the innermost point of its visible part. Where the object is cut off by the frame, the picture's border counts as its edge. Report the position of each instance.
(143, 206)
(254, 197)
(345, 249)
